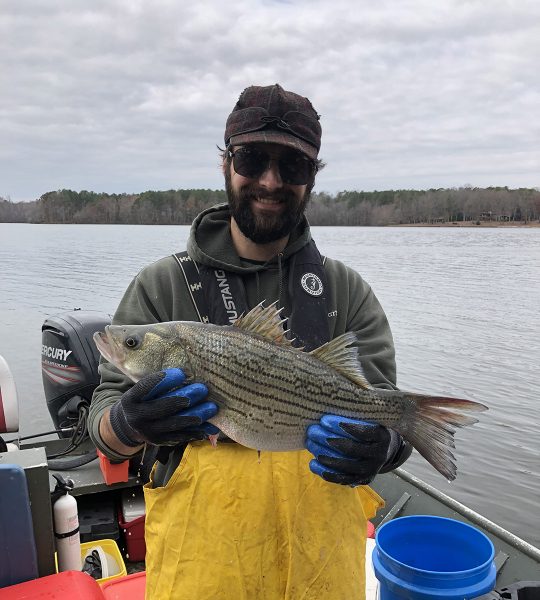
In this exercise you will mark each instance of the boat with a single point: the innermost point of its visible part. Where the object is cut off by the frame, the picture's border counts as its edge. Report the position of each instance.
(70, 375)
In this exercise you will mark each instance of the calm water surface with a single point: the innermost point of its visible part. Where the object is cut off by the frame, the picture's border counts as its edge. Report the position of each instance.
(462, 303)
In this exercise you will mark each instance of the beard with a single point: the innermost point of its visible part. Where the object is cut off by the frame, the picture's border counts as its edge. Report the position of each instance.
(265, 228)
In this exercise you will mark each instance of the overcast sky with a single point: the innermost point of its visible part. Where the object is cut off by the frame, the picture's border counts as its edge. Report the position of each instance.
(132, 95)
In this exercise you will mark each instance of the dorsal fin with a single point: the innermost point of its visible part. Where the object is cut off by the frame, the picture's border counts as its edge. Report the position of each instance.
(266, 322)
(342, 355)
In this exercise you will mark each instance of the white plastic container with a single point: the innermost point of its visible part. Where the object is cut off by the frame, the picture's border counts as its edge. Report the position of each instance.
(109, 565)
(132, 504)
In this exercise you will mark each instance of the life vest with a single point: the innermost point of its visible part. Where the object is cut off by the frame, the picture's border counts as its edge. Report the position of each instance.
(219, 296)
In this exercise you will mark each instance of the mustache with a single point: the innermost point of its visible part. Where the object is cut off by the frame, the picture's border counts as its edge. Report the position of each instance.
(251, 192)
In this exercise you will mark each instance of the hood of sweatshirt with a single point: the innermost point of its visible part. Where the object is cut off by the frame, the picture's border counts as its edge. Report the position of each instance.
(210, 242)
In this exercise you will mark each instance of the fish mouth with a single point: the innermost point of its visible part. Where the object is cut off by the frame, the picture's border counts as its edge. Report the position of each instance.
(112, 351)
(105, 345)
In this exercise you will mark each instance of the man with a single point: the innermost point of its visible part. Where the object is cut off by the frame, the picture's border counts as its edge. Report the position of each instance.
(227, 522)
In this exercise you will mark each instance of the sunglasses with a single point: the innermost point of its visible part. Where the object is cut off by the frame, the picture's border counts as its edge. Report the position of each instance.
(294, 167)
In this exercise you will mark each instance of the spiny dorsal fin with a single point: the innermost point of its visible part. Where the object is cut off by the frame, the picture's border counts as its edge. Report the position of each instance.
(342, 355)
(266, 322)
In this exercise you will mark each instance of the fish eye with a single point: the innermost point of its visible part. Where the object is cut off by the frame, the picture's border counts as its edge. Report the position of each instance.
(132, 341)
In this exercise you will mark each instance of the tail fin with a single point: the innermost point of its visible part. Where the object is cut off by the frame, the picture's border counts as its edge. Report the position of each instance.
(433, 426)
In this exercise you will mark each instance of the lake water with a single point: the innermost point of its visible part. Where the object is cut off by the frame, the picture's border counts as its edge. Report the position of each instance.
(463, 305)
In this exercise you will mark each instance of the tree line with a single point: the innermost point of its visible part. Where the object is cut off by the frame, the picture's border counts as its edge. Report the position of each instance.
(179, 207)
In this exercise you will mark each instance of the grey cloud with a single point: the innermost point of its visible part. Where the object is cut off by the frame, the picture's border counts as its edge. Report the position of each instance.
(126, 96)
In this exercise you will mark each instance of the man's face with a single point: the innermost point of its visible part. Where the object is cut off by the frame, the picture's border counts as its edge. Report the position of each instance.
(265, 208)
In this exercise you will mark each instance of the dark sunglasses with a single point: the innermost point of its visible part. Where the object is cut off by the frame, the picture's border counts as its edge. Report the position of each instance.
(294, 167)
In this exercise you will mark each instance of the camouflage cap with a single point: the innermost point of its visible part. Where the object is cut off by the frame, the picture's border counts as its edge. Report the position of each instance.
(271, 114)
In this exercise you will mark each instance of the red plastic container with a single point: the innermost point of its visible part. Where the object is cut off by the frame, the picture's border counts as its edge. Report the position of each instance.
(62, 586)
(134, 537)
(130, 587)
(113, 472)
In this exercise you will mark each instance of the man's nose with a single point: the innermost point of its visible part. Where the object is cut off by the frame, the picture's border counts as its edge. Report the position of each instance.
(271, 178)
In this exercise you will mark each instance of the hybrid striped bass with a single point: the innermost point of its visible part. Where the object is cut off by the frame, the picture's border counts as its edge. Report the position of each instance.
(269, 391)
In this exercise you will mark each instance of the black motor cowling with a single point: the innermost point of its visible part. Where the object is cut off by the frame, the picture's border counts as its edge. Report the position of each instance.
(69, 362)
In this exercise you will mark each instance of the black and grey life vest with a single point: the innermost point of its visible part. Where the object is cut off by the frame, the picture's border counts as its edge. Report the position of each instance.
(219, 296)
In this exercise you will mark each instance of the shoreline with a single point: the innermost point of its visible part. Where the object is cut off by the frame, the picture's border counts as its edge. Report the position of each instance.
(451, 224)
(480, 225)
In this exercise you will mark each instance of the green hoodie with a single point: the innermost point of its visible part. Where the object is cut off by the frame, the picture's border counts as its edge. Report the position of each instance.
(158, 293)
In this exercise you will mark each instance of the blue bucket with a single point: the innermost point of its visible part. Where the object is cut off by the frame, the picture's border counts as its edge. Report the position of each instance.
(425, 557)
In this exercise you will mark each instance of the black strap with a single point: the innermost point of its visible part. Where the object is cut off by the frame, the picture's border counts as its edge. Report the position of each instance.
(62, 536)
(193, 281)
(309, 316)
(225, 298)
(225, 293)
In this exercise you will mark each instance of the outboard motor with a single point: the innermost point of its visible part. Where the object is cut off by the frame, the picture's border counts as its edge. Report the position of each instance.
(69, 362)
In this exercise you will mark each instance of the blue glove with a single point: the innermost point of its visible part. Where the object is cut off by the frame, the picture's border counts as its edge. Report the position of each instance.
(348, 451)
(161, 410)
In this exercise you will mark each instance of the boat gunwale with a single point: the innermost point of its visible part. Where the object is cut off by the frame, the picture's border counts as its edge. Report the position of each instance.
(473, 516)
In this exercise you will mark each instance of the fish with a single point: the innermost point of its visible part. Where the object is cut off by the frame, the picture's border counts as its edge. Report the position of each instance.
(269, 391)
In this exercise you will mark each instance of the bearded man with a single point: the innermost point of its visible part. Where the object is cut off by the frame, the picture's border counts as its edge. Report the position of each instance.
(226, 522)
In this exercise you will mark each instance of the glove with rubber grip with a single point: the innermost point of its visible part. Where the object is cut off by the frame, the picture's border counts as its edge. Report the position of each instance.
(350, 451)
(161, 410)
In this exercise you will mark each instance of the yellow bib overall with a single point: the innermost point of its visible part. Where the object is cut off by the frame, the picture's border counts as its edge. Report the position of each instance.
(232, 526)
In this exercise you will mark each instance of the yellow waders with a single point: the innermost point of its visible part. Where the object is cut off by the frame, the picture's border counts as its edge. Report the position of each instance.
(231, 526)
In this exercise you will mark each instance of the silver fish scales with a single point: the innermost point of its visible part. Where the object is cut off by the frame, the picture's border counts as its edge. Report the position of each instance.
(269, 391)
